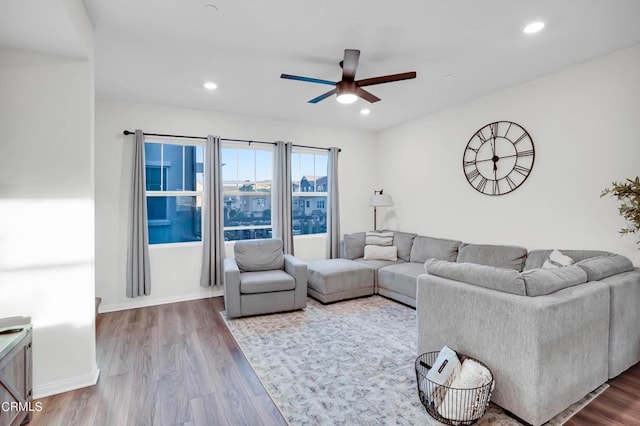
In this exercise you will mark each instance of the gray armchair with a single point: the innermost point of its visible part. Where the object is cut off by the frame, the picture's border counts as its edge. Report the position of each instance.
(261, 279)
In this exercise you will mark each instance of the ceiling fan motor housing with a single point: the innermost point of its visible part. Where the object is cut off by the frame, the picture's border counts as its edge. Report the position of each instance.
(345, 87)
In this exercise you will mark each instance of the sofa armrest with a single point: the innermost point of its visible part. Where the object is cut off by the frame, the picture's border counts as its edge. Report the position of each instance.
(546, 352)
(298, 270)
(232, 288)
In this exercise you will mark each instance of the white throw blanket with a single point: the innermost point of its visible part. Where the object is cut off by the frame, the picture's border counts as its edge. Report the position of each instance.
(465, 405)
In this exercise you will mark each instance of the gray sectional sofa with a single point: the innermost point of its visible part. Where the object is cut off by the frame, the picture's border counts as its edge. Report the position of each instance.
(550, 336)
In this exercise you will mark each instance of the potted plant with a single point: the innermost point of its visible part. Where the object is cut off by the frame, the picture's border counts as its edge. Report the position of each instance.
(628, 192)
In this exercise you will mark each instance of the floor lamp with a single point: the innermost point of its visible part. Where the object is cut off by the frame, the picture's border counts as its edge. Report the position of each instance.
(378, 199)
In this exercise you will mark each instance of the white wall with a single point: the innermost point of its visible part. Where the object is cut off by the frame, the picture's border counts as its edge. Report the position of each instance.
(584, 124)
(46, 213)
(175, 269)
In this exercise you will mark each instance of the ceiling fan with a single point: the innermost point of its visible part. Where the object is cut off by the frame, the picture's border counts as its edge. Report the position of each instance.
(349, 89)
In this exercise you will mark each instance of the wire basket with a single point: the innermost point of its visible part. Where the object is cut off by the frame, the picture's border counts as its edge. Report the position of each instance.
(450, 405)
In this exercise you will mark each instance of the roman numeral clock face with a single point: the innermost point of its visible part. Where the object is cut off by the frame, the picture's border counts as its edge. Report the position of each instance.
(498, 158)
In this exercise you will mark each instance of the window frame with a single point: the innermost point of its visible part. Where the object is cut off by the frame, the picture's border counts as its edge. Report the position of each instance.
(173, 193)
(248, 147)
(305, 195)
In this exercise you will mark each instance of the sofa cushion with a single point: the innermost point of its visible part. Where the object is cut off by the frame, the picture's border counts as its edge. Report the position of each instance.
(433, 248)
(354, 245)
(539, 282)
(259, 255)
(508, 257)
(266, 281)
(401, 278)
(536, 258)
(373, 252)
(404, 242)
(379, 238)
(601, 267)
(377, 264)
(502, 279)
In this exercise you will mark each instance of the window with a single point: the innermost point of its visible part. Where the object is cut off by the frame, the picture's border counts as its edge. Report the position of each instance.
(309, 187)
(174, 183)
(247, 174)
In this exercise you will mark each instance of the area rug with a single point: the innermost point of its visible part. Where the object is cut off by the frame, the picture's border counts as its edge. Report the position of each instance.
(347, 363)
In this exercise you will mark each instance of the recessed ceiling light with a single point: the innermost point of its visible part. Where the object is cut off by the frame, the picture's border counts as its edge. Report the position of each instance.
(365, 111)
(210, 85)
(533, 27)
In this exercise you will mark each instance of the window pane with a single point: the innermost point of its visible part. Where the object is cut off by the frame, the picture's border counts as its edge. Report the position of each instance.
(199, 168)
(152, 165)
(295, 172)
(174, 219)
(191, 167)
(264, 166)
(229, 164)
(321, 173)
(307, 172)
(309, 215)
(172, 160)
(247, 194)
(246, 165)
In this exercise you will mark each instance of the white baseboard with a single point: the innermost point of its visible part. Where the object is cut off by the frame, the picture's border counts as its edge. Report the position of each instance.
(143, 302)
(66, 385)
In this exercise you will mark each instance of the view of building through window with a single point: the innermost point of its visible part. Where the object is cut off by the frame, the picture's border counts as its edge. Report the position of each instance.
(309, 187)
(174, 183)
(247, 176)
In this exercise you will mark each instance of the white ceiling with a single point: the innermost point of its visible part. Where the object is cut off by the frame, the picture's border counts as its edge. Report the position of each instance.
(164, 50)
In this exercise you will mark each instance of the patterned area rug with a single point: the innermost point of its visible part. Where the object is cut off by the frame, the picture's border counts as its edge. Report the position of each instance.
(347, 363)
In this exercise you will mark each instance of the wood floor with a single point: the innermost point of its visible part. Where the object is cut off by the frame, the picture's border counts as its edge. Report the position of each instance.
(178, 364)
(174, 364)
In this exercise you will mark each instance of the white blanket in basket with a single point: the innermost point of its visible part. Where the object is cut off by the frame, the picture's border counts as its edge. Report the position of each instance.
(465, 405)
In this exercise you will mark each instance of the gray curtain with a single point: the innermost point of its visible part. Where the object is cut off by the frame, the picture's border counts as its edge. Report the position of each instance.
(212, 227)
(281, 208)
(333, 206)
(138, 271)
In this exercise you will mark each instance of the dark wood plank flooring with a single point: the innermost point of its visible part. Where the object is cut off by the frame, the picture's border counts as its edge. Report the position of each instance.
(174, 364)
(177, 364)
(618, 405)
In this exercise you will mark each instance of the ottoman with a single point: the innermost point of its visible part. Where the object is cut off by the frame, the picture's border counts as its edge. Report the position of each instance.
(331, 280)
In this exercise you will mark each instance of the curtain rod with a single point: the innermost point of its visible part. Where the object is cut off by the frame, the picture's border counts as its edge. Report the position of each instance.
(127, 132)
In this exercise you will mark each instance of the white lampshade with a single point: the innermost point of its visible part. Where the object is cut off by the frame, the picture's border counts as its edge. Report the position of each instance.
(380, 200)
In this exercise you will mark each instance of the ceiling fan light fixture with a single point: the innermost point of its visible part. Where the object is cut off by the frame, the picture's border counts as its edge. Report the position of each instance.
(346, 92)
(346, 98)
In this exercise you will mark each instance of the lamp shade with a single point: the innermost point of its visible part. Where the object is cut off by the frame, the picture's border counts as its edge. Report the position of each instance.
(380, 200)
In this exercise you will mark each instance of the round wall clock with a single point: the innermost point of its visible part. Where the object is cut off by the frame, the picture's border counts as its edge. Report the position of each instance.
(498, 158)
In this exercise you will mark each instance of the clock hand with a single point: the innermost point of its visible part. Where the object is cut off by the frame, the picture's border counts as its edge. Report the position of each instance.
(491, 159)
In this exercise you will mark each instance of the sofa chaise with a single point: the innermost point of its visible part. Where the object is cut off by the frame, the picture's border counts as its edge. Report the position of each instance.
(549, 335)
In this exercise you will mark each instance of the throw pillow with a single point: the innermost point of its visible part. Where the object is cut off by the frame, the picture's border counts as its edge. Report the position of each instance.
(379, 238)
(557, 260)
(374, 252)
(353, 245)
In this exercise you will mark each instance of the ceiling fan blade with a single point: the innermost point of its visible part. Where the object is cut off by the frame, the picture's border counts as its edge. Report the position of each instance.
(366, 95)
(307, 79)
(386, 79)
(323, 96)
(350, 64)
